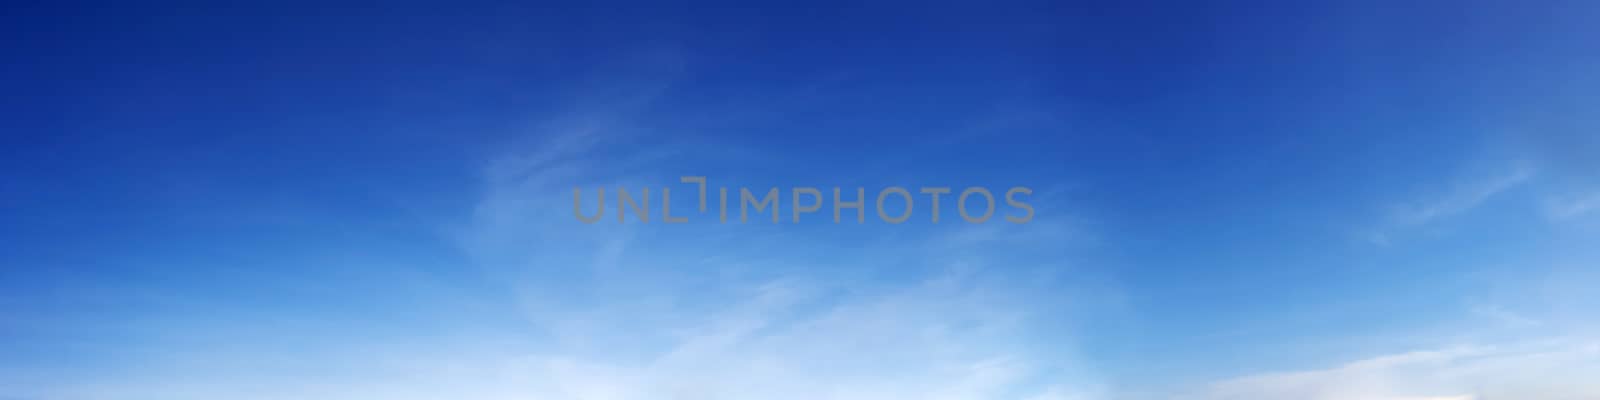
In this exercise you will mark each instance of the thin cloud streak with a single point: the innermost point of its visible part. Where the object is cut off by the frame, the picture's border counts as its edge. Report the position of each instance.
(1461, 199)
(1550, 370)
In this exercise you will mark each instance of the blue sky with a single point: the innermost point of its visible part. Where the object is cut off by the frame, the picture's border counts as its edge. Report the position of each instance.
(1238, 200)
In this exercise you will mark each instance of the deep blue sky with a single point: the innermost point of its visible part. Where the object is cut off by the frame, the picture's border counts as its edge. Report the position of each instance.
(284, 200)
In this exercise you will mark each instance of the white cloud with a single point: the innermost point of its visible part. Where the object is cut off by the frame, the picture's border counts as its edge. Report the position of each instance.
(1460, 199)
(1572, 207)
(1463, 198)
(1505, 317)
(944, 338)
(604, 312)
(683, 327)
(609, 314)
(1554, 370)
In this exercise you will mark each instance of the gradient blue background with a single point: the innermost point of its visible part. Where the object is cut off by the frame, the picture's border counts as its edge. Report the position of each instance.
(1396, 199)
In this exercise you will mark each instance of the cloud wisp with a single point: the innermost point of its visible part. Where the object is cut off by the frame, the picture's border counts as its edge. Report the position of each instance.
(1460, 199)
(1553, 369)
(633, 314)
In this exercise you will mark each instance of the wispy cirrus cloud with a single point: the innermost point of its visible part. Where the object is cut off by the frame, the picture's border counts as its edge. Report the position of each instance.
(1460, 198)
(562, 310)
(1548, 370)
(631, 313)
(1569, 207)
